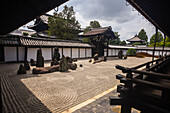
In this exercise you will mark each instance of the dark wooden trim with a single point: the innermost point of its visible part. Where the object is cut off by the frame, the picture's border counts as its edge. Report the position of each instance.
(17, 53)
(26, 53)
(52, 53)
(0, 96)
(78, 52)
(71, 52)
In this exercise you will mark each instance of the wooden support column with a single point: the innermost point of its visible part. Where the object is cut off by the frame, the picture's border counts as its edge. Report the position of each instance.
(52, 53)
(71, 52)
(78, 52)
(163, 45)
(155, 44)
(0, 96)
(26, 53)
(107, 48)
(17, 54)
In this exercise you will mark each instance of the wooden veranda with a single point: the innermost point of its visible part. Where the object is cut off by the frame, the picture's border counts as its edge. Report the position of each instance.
(146, 87)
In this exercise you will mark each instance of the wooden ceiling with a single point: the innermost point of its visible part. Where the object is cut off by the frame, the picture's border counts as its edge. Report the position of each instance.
(155, 11)
(15, 13)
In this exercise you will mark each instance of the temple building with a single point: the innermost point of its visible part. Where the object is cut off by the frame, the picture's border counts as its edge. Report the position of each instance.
(17, 48)
(135, 39)
(98, 37)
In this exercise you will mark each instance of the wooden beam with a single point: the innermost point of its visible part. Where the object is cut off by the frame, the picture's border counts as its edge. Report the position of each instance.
(26, 53)
(155, 44)
(17, 53)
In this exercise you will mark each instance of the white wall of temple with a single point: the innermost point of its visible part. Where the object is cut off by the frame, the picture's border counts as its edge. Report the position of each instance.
(10, 54)
(82, 53)
(75, 52)
(67, 52)
(46, 53)
(60, 51)
(32, 53)
(21, 52)
(88, 52)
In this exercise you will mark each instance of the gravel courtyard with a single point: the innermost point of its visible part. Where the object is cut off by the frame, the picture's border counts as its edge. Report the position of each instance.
(59, 91)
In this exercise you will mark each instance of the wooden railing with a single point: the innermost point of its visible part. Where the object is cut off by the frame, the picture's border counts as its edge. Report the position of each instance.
(135, 78)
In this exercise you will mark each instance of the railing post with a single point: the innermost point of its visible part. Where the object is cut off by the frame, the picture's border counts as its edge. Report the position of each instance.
(0, 96)
(148, 65)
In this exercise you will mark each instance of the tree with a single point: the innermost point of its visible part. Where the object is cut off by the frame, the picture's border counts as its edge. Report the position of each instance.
(142, 35)
(159, 38)
(64, 24)
(116, 41)
(93, 24)
(123, 43)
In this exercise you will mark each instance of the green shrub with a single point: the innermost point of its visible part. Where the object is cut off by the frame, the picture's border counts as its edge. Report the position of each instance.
(86, 40)
(131, 51)
(137, 43)
(25, 34)
(34, 35)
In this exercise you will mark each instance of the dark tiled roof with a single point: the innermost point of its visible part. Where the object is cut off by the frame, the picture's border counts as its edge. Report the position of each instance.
(134, 39)
(96, 31)
(8, 41)
(30, 41)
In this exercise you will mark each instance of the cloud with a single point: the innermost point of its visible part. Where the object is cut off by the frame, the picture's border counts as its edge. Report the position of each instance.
(103, 9)
(113, 13)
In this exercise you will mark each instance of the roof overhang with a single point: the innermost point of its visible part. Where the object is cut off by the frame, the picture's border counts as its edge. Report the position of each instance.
(155, 11)
(16, 13)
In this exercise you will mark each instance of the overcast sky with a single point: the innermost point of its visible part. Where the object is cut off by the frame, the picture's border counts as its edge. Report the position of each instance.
(112, 13)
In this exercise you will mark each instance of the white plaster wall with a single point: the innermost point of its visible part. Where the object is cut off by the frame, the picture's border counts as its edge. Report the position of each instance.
(46, 53)
(67, 52)
(32, 53)
(60, 51)
(10, 54)
(110, 52)
(117, 51)
(124, 52)
(88, 52)
(21, 52)
(82, 53)
(74, 52)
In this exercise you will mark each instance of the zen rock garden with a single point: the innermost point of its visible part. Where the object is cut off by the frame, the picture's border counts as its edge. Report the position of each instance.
(57, 64)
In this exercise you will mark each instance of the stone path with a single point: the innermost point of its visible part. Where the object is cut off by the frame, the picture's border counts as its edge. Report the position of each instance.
(57, 92)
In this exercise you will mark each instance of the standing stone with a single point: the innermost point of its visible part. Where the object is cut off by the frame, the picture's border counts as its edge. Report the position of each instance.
(33, 63)
(125, 57)
(26, 65)
(96, 57)
(120, 54)
(56, 54)
(56, 57)
(63, 64)
(21, 70)
(40, 59)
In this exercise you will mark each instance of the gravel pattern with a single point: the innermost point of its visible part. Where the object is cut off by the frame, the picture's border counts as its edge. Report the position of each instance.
(58, 91)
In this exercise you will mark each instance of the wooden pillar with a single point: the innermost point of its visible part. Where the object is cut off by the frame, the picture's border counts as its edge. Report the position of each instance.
(26, 53)
(107, 48)
(155, 44)
(52, 53)
(71, 52)
(0, 96)
(78, 52)
(163, 45)
(17, 54)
